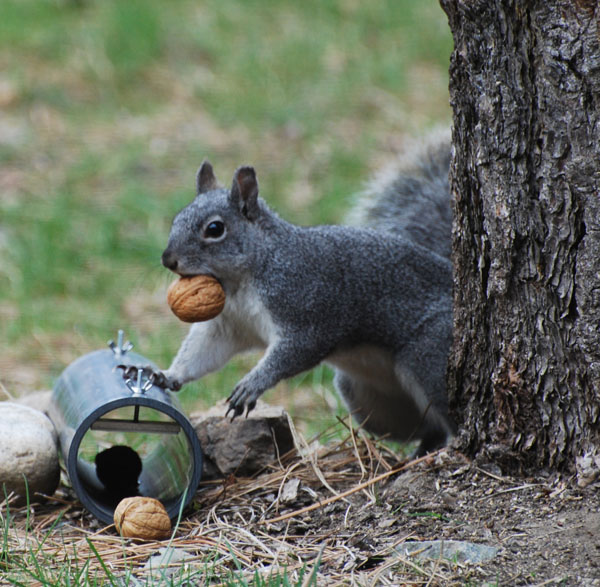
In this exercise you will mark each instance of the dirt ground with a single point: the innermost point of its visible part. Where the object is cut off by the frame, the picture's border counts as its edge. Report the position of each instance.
(547, 530)
(347, 514)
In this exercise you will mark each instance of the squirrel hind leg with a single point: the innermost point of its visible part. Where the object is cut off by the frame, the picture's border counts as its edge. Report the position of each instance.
(387, 411)
(433, 438)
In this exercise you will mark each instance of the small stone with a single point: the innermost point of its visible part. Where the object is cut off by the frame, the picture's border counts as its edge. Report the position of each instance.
(28, 448)
(289, 493)
(588, 468)
(38, 400)
(167, 561)
(386, 523)
(452, 550)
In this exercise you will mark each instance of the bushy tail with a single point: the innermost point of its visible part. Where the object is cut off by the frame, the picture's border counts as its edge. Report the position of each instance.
(413, 197)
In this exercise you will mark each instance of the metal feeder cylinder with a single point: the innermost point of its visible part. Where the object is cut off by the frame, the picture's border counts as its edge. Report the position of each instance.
(123, 435)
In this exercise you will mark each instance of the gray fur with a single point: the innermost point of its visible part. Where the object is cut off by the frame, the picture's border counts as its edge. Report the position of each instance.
(373, 302)
(412, 198)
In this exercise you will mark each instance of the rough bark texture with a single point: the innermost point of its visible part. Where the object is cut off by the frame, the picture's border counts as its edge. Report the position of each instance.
(524, 371)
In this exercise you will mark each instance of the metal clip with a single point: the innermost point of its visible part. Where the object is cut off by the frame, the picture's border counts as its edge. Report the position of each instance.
(120, 348)
(138, 388)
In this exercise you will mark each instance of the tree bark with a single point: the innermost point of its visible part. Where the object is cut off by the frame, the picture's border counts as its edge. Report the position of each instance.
(524, 370)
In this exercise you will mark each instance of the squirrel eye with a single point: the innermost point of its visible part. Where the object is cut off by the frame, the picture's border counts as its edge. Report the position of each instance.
(214, 229)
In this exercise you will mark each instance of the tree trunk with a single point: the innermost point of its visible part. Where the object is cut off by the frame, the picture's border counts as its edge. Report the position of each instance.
(524, 370)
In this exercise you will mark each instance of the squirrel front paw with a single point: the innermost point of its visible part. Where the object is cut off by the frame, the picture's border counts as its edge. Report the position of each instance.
(242, 397)
(160, 379)
(157, 378)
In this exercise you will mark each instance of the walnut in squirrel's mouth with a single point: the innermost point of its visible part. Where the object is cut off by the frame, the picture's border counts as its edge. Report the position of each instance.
(196, 299)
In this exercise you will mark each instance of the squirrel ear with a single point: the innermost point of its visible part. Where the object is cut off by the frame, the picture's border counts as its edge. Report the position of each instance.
(205, 178)
(244, 191)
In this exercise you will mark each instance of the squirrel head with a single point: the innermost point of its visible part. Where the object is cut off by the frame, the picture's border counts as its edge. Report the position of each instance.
(216, 232)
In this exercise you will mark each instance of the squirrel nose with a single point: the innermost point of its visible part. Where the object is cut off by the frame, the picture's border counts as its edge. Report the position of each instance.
(169, 259)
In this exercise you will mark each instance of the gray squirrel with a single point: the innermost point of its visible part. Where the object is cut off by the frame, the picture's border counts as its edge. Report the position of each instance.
(374, 301)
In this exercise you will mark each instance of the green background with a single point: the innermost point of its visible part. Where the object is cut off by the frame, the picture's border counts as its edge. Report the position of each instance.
(108, 107)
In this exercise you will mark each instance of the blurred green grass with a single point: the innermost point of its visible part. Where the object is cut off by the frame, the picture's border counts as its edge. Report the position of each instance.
(106, 110)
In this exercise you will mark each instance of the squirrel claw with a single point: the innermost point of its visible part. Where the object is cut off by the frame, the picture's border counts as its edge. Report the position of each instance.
(157, 378)
(249, 407)
(129, 371)
(237, 411)
(238, 404)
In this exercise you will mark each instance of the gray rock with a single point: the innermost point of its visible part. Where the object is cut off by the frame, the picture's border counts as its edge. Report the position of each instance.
(244, 446)
(129, 580)
(289, 493)
(28, 448)
(452, 550)
(167, 561)
(39, 400)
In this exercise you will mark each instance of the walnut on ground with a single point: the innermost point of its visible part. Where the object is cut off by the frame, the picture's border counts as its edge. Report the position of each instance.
(144, 518)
